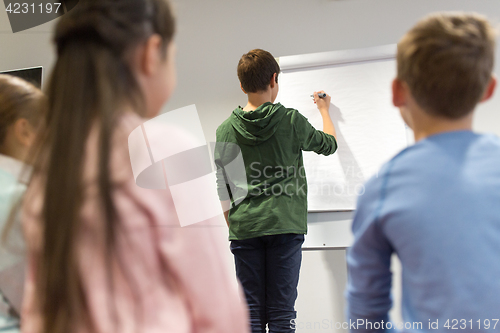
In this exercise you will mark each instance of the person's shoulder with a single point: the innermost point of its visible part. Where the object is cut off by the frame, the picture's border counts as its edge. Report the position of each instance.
(417, 152)
(484, 152)
(129, 121)
(450, 147)
(225, 125)
(288, 111)
(438, 154)
(375, 183)
(411, 152)
(224, 129)
(293, 116)
(488, 141)
(130, 159)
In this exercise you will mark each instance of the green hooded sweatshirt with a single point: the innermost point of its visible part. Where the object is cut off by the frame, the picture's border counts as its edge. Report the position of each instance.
(273, 198)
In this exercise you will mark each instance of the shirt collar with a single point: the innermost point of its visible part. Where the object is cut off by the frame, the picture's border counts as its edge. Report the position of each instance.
(15, 168)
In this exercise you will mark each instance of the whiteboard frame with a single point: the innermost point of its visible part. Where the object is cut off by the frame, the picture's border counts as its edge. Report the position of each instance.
(332, 58)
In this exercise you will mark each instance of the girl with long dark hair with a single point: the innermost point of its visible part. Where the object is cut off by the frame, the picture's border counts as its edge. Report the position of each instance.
(105, 255)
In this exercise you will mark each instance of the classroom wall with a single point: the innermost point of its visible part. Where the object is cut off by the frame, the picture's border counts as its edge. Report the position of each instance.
(212, 35)
(29, 48)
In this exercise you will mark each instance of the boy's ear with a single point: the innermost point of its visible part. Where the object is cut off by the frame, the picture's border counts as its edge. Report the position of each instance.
(490, 89)
(242, 89)
(399, 92)
(273, 80)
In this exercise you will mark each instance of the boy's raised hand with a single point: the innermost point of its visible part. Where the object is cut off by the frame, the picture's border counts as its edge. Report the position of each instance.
(323, 104)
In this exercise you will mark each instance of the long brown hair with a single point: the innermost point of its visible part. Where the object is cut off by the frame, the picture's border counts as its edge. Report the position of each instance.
(91, 79)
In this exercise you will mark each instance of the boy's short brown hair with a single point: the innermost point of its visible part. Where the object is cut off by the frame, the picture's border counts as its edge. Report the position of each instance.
(255, 70)
(447, 62)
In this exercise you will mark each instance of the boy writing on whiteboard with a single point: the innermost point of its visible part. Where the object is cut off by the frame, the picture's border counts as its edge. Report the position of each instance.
(267, 225)
(436, 204)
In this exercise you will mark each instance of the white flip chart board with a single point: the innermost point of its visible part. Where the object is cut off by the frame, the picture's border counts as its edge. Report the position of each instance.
(369, 128)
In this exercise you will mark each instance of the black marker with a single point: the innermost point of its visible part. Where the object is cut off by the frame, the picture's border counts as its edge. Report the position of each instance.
(321, 95)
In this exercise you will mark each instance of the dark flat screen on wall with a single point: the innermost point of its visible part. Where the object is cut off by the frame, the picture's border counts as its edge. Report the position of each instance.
(33, 75)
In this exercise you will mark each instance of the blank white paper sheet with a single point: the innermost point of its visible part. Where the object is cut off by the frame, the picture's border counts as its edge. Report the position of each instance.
(370, 130)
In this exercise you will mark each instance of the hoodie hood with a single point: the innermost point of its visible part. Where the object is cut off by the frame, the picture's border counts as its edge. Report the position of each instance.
(257, 126)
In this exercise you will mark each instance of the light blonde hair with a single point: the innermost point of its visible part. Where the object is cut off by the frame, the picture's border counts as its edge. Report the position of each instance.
(447, 62)
(18, 99)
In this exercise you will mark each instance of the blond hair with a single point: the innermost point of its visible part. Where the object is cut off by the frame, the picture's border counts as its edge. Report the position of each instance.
(18, 99)
(447, 61)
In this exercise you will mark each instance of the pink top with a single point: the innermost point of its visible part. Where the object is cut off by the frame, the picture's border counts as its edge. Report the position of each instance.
(206, 297)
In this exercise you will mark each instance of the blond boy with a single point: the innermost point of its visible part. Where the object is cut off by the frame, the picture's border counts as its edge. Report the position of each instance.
(436, 204)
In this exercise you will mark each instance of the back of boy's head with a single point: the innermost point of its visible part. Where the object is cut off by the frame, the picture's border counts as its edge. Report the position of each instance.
(447, 62)
(18, 99)
(255, 70)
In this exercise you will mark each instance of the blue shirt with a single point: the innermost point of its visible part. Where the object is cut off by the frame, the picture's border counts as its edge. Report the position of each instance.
(437, 206)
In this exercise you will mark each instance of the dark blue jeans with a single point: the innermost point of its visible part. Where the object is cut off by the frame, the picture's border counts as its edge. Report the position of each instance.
(268, 269)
